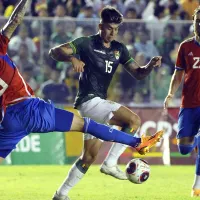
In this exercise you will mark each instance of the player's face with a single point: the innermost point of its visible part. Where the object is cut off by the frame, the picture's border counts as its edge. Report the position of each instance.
(108, 31)
(197, 24)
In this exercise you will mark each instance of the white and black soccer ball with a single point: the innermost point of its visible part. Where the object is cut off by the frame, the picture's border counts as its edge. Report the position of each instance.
(137, 171)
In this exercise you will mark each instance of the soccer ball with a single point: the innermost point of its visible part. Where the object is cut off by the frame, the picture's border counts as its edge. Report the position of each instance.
(137, 171)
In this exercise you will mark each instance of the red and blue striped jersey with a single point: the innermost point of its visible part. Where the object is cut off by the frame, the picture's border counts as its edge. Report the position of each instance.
(189, 60)
(13, 87)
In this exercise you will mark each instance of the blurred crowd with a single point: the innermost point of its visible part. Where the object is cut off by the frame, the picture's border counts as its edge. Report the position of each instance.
(131, 9)
(151, 28)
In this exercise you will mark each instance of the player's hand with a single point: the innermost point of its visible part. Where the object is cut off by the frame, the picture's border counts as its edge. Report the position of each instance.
(156, 61)
(167, 100)
(78, 65)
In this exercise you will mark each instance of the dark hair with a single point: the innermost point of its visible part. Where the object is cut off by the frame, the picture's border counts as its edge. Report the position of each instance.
(196, 11)
(110, 14)
(158, 10)
(173, 8)
(130, 10)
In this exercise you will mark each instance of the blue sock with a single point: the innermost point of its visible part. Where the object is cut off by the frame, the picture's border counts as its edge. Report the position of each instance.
(187, 148)
(198, 157)
(109, 134)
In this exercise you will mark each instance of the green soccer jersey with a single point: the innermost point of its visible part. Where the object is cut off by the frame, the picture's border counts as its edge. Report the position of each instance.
(100, 65)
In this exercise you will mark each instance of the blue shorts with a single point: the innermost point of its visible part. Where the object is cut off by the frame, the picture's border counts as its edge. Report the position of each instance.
(33, 115)
(188, 122)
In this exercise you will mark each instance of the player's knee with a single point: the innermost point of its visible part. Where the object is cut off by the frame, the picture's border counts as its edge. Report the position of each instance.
(184, 149)
(77, 124)
(135, 122)
(1, 160)
(185, 145)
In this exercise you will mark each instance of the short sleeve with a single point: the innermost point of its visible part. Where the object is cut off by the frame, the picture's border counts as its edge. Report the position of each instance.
(125, 56)
(78, 44)
(3, 44)
(180, 61)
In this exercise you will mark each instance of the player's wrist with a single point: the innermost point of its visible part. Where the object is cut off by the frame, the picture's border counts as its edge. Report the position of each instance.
(72, 58)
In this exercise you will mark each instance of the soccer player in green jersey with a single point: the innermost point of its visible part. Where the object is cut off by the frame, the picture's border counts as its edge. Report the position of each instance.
(100, 56)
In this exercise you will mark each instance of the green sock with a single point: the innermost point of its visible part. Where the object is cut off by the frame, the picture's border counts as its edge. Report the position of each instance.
(129, 130)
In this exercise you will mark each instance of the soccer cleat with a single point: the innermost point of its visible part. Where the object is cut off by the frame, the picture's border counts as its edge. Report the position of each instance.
(58, 197)
(148, 141)
(113, 171)
(195, 193)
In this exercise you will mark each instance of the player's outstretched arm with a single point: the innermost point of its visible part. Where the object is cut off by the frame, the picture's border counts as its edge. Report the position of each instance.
(174, 85)
(15, 18)
(140, 72)
(63, 53)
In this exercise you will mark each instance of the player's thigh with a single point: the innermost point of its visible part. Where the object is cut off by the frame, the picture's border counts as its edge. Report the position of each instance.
(91, 148)
(67, 121)
(77, 124)
(1, 160)
(10, 136)
(125, 116)
(188, 125)
(98, 109)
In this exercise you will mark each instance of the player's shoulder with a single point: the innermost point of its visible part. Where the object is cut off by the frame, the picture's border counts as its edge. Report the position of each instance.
(118, 45)
(91, 37)
(81, 39)
(88, 39)
(187, 41)
(4, 37)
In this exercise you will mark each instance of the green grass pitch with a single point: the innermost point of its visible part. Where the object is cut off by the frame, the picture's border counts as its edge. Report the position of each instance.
(40, 182)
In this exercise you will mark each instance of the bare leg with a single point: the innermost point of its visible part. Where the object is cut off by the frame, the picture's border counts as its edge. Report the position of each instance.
(77, 124)
(90, 151)
(126, 119)
(78, 170)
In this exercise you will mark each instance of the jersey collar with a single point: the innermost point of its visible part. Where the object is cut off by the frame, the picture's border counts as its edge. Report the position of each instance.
(101, 41)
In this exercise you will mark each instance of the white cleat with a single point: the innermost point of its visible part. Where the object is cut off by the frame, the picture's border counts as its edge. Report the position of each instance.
(113, 171)
(58, 197)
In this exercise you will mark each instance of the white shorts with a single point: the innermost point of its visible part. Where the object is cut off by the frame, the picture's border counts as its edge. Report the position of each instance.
(100, 110)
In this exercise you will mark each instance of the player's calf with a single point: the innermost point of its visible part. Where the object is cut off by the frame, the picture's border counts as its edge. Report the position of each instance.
(135, 123)
(88, 159)
(196, 184)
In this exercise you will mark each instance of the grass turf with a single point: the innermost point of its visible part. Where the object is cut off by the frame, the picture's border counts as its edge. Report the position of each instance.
(40, 182)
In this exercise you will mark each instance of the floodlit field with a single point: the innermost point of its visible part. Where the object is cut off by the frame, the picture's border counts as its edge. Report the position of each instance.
(40, 182)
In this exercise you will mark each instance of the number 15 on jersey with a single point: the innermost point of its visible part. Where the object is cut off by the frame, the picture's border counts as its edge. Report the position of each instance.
(108, 66)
